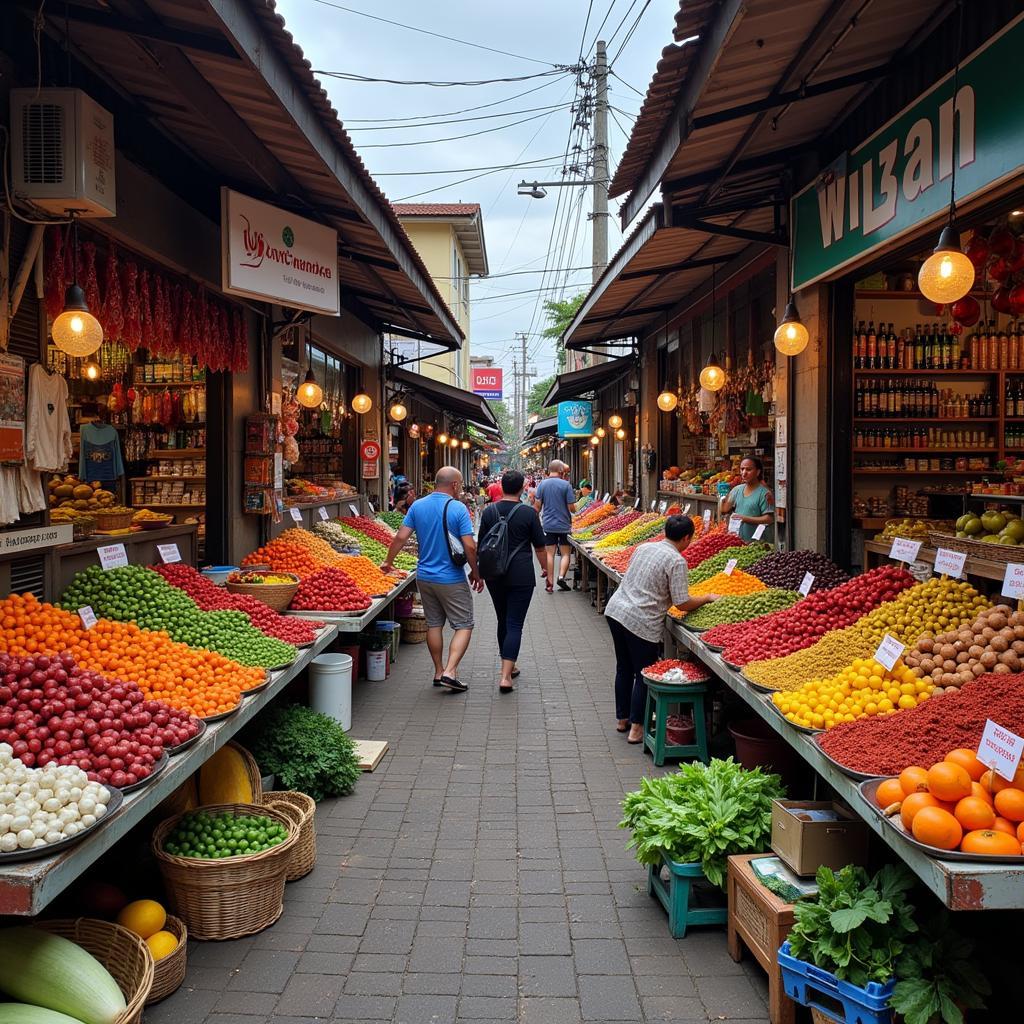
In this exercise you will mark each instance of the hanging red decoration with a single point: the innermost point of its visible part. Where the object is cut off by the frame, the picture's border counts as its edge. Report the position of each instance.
(1017, 300)
(966, 311)
(977, 251)
(239, 342)
(1001, 242)
(187, 324)
(90, 279)
(132, 333)
(224, 331)
(113, 300)
(1000, 270)
(145, 308)
(1001, 300)
(55, 274)
(175, 314)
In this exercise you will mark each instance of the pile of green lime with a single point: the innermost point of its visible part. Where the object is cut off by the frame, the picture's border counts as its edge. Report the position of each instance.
(216, 836)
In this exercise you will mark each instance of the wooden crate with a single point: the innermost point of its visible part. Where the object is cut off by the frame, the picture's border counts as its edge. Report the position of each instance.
(761, 921)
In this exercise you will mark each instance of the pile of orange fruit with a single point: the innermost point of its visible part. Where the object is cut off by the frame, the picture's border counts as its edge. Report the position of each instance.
(284, 557)
(736, 583)
(367, 576)
(201, 682)
(958, 804)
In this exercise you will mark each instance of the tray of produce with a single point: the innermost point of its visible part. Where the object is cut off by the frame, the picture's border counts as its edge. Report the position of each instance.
(185, 744)
(209, 719)
(792, 725)
(760, 687)
(132, 786)
(868, 790)
(849, 772)
(673, 670)
(256, 689)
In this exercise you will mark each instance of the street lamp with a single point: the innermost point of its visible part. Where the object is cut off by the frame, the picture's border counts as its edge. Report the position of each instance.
(539, 189)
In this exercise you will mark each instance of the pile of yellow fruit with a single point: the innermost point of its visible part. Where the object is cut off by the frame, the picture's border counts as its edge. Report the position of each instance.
(861, 690)
(146, 918)
(70, 491)
(148, 514)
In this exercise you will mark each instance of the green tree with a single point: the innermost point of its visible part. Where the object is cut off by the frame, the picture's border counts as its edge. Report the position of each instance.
(559, 315)
(504, 418)
(537, 395)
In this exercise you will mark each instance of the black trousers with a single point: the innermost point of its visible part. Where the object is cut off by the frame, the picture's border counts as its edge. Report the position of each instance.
(632, 655)
(510, 606)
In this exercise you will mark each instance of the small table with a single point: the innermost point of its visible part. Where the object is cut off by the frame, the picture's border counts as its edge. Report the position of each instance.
(762, 921)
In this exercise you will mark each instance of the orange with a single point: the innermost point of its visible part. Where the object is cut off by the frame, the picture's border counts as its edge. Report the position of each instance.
(991, 843)
(914, 780)
(978, 790)
(967, 760)
(1002, 825)
(889, 792)
(912, 804)
(1010, 804)
(935, 827)
(993, 782)
(948, 781)
(974, 813)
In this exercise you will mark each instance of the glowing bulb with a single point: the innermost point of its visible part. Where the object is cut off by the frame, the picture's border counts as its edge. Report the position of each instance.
(91, 370)
(453, 443)
(595, 440)
(77, 324)
(362, 403)
(310, 395)
(600, 431)
(76, 331)
(620, 434)
(465, 446)
(947, 275)
(615, 421)
(712, 377)
(414, 429)
(791, 336)
(442, 438)
(667, 401)
(398, 411)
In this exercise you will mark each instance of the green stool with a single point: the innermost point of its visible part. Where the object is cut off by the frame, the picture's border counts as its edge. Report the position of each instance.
(661, 697)
(675, 897)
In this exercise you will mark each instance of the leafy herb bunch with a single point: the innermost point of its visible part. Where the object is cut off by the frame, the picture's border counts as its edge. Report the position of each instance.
(306, 750)
(701, 813)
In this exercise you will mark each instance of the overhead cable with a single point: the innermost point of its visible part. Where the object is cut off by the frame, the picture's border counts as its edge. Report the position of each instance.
(456, 120)
(351, 76)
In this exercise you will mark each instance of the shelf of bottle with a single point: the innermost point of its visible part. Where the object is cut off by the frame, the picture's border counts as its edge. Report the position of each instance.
(924, 418)
(1013, 419)
(173, 453)
(931, 373)
(920, 451)
(900, 471)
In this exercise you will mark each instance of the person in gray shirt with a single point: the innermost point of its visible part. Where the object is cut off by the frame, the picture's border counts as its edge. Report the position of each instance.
(555, 503)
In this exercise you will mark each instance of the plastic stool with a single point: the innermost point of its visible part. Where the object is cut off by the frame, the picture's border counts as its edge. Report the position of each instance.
(661, 698)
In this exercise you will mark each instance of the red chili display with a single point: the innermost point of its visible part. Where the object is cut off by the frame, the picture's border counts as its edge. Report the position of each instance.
(690, 669)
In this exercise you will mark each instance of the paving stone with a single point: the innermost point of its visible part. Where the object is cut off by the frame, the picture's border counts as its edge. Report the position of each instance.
(729, 997)
(604, 999)
(547, 976)
(425, 1009)
(543, 1010)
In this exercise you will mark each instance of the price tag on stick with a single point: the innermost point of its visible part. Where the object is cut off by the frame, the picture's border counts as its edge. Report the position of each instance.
(653, 503)
(1000, 749)
(1013, 581)
(734, 524)
(707, 518)
(353, 510)
(759, 531)
(88, 617)
(904, 550)
(686, 510)
(322, 513)
(663, 507)
(729, 566)
(806, 583)
(950, 563)
(168, 553)
(114, 556)
(889, 651)
(296, 515)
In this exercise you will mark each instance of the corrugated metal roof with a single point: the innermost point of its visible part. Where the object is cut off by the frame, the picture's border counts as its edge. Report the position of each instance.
(577, 383)
(243, 101)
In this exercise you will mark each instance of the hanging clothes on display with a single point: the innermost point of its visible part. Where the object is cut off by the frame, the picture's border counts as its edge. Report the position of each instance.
(48, 435)
(100, 456)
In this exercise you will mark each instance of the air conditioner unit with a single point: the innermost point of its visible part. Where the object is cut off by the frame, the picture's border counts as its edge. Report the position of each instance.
(62, 152)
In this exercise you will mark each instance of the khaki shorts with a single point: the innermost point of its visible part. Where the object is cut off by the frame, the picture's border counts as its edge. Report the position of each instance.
(447, 601)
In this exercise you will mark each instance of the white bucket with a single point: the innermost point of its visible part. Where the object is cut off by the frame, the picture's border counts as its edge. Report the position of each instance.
(330, 687)
(376, 665)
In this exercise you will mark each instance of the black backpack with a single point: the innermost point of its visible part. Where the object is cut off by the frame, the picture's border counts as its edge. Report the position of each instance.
(493, 556)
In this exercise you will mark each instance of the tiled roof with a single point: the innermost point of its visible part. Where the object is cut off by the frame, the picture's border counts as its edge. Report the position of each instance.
(435, 209)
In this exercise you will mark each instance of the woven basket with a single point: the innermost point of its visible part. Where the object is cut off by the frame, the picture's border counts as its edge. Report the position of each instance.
(107, 521)
(819, 1018)
(123, 953)
(169, 973)
(1004, 553)
(414, 629)
(226, 899)
(302, 808)
(274, 595)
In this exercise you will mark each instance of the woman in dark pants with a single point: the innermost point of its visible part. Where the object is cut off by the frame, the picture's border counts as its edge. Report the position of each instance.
(512, 593)
(654, 582)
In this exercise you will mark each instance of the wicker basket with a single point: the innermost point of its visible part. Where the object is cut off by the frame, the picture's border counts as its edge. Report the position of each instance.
(819, 1018)
(1004, 553)
(303, 810)
(274, 595)
(122, 952)
(153, 524)
(169, 973)
(108, 521)
(414, 629)
(226, 899)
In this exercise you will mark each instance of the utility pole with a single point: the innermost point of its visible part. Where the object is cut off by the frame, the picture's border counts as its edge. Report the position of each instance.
(599, 215)
(525, 374)
(515, 402)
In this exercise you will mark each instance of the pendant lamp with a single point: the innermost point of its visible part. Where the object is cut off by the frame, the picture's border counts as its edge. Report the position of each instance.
(615, 421)
(398, 410)
(712, 377)
(600, 432)
(620, 434)
(442, 438)
(667, 401)
(362, 403)
(76, 331)
(791, 336)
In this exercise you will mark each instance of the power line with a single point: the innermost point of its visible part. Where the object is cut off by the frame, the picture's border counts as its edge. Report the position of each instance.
(597, 34)
(428, 32)
(457, 120)
(451, 138)
(629, 34)
(525, 291)
(618, 27)
(583, 34)
(508, 273)
(450, 184)
(546, 160)
(625, 113)
(351, 76)
(612, 71)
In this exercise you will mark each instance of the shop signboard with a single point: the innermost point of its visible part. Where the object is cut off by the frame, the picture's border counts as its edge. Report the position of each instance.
(899, 178)
(369, 455)
(575, 419)
(487, 381)
(273, 254)
(40, 537)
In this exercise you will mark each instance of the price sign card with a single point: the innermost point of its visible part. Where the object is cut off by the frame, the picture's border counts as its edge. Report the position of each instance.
(636, 504)
(686, 510)
(296, 515)
(606, 497)
(322, 513)
(1000, 749)
(950, 563)
(759, 532)
(88, 617)
(373, 508)
(353, 510)
(707, 518)
(113, 556)
(904, 550)
(734, 524)
(1013, 580)
(889, 651)
(729, 566)
(653, 503)
(663, 507)
(806, 583)
(169, 553)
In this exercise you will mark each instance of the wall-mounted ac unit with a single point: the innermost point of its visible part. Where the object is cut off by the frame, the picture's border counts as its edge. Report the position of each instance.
(62, 152)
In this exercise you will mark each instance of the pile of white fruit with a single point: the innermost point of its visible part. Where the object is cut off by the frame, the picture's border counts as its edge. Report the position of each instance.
(42, 806)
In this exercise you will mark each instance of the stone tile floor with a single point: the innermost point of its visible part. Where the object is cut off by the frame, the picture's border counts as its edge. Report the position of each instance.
(478, 875)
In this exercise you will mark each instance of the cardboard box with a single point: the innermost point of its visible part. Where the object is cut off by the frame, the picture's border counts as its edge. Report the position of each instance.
(805, 845)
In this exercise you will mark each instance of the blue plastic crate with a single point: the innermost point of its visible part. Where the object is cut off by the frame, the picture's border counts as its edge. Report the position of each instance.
(809, 985)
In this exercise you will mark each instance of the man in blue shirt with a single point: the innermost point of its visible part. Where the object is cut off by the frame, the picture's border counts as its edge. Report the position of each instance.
(444, 533)
(555, 503)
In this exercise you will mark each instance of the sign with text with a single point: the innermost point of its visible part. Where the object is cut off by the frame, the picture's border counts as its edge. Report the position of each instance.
(296, 514)
(486, 381)
(730, 566)
(663, 507)
(322, 513)
(950, 563)
(899, 177)
(88, 617)
(168, 553)
(806, 583)
(275, 255)
(1013, 581)
(686, 509)
(734, 524)
(112, 556)
(1000, 749)
(759, 530)
(604, 500)
(575, 419)
(353, 509)
(369, 455)
(41, 537)
(904, 550)
(707, 518)
(889, 651)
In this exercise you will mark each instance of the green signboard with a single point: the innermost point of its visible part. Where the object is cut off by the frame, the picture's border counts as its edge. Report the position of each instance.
(900, 177)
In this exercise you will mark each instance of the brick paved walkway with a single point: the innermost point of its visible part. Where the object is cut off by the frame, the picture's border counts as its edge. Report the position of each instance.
(478, 874)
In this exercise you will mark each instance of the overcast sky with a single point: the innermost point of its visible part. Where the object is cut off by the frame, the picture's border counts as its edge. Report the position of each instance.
(518, 230)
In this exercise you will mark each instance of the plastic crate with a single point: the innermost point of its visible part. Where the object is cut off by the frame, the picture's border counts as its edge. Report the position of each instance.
(675, 897)
(821, 990)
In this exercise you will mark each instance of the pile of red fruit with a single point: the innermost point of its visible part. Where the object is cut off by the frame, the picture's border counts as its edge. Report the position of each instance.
(369, 528)
(211, 598)
(617, 522)
(710, 544)
(330, 590)
(52, 711)
(689, 670)
(807, 621)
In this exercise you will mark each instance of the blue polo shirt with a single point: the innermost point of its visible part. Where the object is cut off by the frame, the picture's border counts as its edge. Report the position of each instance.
(424, 518)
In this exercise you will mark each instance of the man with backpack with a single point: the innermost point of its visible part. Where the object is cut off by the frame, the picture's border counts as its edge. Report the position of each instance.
(444, 533)
(508, 530)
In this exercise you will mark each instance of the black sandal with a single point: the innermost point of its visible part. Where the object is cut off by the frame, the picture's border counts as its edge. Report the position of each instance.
(437, 682)
(457, 685)
(515, 673)
(506, 689)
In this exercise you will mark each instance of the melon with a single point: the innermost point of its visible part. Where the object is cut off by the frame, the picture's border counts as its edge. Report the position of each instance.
(83, 492)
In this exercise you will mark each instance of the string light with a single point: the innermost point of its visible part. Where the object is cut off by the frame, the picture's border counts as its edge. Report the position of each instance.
(398, 411)
(620, 434)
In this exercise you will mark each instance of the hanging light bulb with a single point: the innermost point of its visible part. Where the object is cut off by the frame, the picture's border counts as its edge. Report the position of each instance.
(453, 443)
(600, 432)
(465, 446)
(947, 275)
(667, 401)
(362, 403)
(791, 336)
(620, 434)
(712, 377)
(91, 370)
(442, 438)
(76, 331)
(595, 440)
(414, 428)
(615, 421)
(398, 411)
(310, 395)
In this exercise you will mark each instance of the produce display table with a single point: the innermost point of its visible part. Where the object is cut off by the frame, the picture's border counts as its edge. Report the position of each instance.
(346, 623)
(26, 888)
(960, 885)
(876, 552)
(309, 509)
(592, 566)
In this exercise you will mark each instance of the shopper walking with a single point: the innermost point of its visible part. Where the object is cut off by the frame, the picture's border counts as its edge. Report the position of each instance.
(494, 491)
(555, 503)
(512, 589)
(751, 501)
(655, 581)
(444, 533)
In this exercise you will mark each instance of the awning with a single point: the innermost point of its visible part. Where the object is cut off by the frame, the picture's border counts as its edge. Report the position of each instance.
(588, 380)
(463, 405)
(226, 83)
(542, 428)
